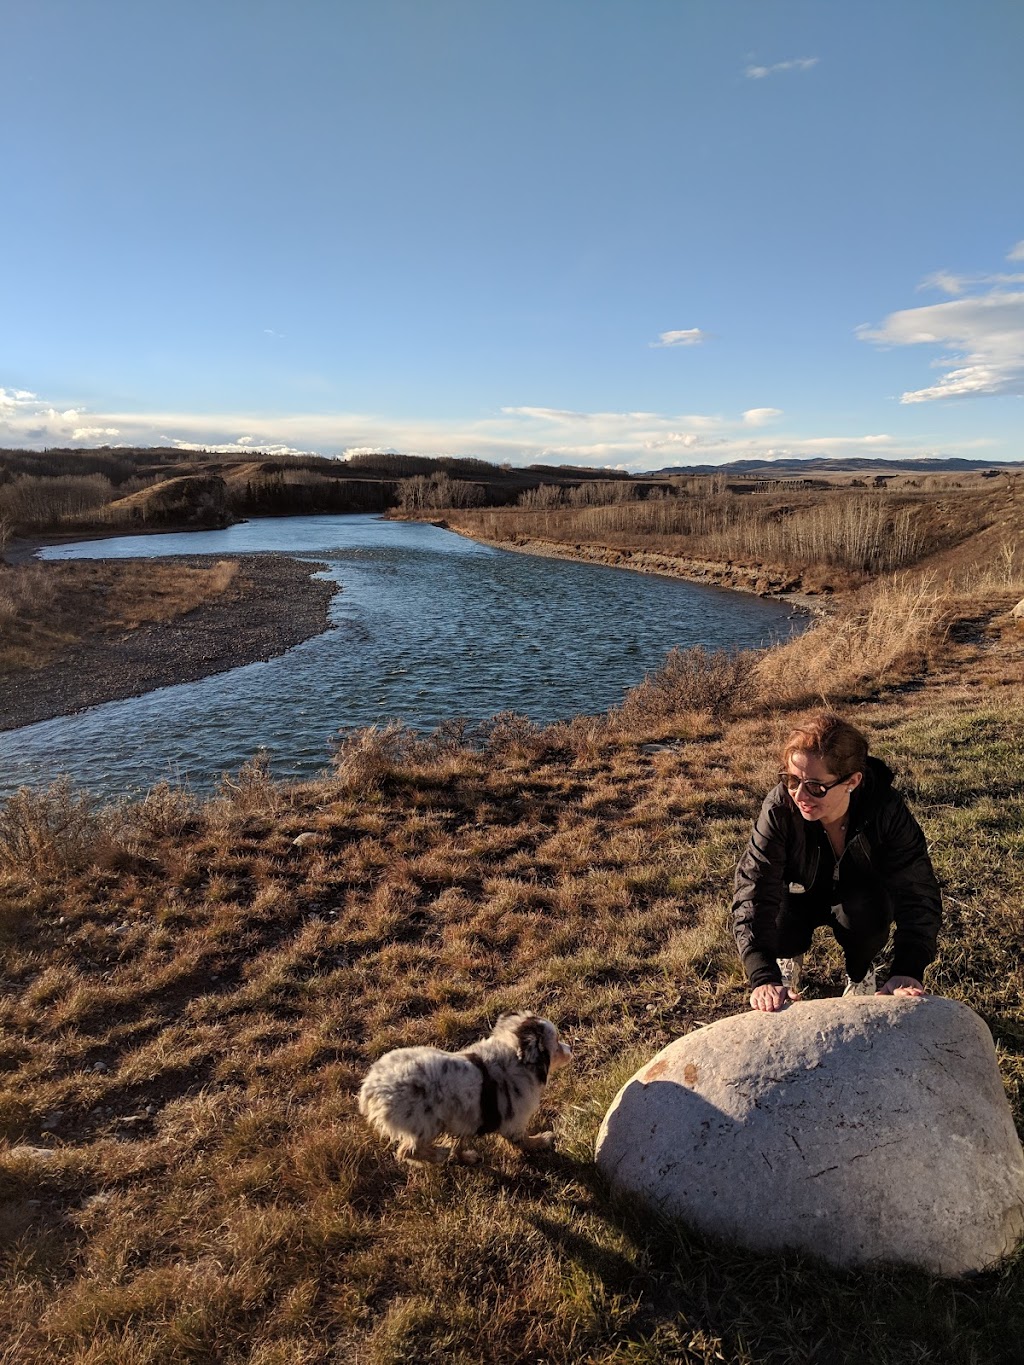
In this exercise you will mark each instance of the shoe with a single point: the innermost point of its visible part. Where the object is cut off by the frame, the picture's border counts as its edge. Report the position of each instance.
(790, 967)
(865, 987)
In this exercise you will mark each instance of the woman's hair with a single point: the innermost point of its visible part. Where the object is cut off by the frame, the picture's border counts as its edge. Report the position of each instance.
(840, 746)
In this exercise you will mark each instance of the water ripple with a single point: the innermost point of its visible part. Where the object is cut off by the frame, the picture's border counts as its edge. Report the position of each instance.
(427, 625)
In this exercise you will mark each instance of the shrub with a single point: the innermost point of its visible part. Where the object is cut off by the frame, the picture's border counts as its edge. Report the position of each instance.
(251, 791)
(54, 829)
(507, 733)
(365, 758)
(693, 679)
(164, 811)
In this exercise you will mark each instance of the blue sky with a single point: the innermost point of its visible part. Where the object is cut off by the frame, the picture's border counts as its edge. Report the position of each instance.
(631, 233)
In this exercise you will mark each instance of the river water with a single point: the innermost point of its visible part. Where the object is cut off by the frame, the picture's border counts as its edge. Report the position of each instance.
(426, 625)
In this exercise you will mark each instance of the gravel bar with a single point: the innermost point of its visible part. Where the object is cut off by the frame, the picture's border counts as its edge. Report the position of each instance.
(272, 605)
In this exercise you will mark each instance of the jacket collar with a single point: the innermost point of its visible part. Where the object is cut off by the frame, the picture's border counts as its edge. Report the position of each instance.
(877, 783)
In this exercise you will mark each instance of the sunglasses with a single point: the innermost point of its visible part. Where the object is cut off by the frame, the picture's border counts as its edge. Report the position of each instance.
(815, 790)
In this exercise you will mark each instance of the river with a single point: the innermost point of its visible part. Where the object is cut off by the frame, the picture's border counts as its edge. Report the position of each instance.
(426, 625)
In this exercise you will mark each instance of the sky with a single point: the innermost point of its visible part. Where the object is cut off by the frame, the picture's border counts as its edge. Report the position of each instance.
(623, 233)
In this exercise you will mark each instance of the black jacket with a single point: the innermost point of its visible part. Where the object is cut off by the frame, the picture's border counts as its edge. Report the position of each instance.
(885, 873)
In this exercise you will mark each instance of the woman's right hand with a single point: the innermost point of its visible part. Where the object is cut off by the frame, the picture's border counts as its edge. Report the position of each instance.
(771, 998)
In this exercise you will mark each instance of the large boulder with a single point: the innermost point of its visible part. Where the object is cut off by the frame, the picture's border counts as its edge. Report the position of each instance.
(860, 1129)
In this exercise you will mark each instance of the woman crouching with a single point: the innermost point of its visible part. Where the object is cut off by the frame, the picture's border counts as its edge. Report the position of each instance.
(834, 846)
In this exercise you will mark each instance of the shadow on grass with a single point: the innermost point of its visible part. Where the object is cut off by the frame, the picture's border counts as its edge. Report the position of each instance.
(698, 1298)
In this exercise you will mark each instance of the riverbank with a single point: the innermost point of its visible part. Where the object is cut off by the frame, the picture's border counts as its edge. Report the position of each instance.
(263, 607)
(24, 549)
(757, 579)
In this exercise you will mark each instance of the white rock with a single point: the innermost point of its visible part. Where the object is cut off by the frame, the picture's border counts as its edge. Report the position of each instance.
(309, 839)
(1018, 610)
(859, 1129)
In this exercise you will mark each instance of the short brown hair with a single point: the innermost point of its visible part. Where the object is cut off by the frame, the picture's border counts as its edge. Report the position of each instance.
(840, 746)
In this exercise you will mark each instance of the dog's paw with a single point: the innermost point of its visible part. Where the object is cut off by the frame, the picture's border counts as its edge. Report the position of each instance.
(423, 1152)
(468, 1156)
(537, 1142)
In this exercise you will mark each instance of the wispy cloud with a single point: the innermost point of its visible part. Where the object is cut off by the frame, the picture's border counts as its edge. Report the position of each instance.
(688, 336)
(758, 73)
(269, 332)
(522, 434)
(983, 333)
(948, 283)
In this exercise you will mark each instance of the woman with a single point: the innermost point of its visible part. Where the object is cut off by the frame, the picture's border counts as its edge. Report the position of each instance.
(835, 846)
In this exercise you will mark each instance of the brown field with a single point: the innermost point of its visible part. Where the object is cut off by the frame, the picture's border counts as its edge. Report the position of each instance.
(189, 1001)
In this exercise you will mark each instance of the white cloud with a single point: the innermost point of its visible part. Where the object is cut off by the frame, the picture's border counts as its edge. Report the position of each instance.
(1016, 253)
(688, 336)
(758, 73)
(518, 435)
(243, 446)
(93, 433)
(13, 399)
(985, 332)
(757, 417)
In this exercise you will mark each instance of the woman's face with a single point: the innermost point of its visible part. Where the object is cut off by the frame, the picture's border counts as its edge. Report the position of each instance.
(830, 808)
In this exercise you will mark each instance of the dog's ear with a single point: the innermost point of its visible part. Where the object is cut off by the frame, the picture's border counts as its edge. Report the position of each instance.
(532, 1047)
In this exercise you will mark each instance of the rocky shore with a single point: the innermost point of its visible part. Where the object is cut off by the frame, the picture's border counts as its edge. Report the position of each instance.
(273, 604)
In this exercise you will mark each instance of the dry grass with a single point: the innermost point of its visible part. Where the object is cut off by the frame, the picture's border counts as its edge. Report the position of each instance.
(197, 1002)
(885, 634)
(46, 607)
(836, 538)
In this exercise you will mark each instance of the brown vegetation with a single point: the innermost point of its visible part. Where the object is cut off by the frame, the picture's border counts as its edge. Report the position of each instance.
(190, 999)
(45, 607)
(55, 491)
(835, 539)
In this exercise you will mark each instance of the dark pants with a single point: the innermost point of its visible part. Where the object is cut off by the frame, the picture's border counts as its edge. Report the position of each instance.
(861, 929)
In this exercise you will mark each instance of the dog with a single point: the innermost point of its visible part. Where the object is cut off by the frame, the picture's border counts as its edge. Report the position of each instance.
(414, 1094)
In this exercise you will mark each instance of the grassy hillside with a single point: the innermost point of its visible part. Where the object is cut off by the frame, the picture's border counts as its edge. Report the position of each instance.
(833, 538)
(98, 491)
(190, 999)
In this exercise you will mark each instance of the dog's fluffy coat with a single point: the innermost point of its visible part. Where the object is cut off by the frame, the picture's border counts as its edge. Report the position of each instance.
(414, 1094)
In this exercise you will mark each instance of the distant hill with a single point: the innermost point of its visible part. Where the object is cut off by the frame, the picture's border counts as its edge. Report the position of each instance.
(796, 468)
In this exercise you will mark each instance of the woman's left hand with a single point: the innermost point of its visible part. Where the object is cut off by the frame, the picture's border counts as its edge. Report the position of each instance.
(901, 985)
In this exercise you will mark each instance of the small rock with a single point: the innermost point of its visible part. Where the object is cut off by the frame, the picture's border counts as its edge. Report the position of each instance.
(52, 1120)
(30, 1153)
(308, 839)
(100, 1066)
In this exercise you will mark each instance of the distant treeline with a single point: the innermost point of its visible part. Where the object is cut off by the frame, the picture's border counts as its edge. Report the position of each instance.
(69, 490)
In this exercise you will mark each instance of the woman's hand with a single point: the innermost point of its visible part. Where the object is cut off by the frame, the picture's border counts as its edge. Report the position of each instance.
(771, 998)
(901, 985)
